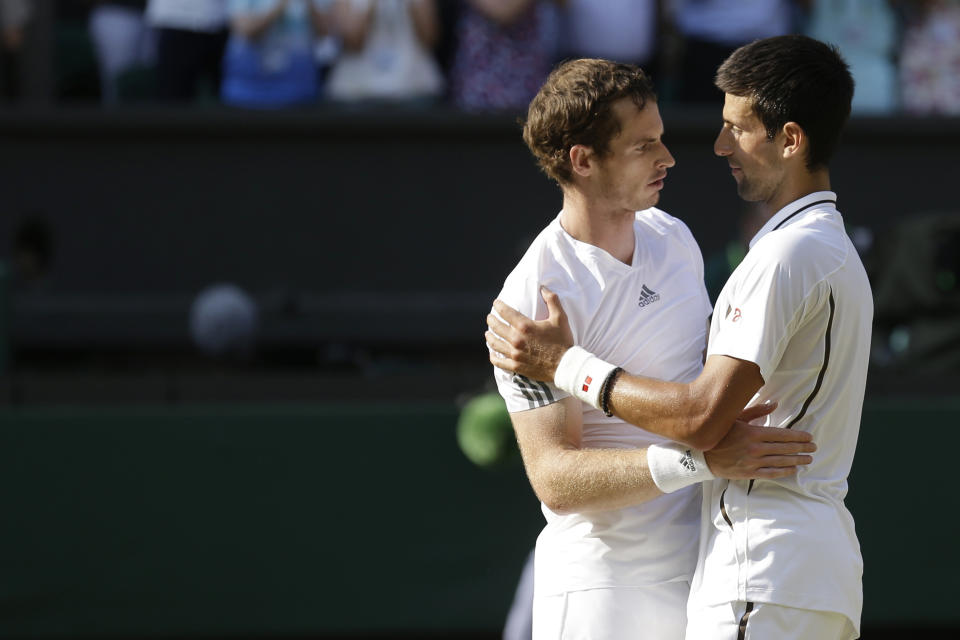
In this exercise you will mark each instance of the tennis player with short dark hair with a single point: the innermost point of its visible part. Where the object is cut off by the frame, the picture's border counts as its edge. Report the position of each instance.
(617, 554)
(778, 557)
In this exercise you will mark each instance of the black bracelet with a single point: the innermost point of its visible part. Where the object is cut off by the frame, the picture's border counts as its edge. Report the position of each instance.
(605, 391)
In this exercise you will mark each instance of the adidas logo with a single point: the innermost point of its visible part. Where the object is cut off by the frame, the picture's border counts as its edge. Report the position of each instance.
(688, 463)
(647, 296)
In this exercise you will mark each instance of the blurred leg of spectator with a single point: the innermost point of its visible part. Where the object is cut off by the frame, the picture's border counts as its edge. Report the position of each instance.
(14, 19)
(122, 40)
(191, 37)
(700, 61)
(712, 29)
(184, 59)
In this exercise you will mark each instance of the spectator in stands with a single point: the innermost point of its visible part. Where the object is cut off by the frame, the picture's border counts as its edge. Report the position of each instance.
(122, 41)
(504, 50)
(867, 33)
(712, 29)
(621, 30)
(191, 36)
(270, 59)
(930, 57)
(386, 51)
(14, 17)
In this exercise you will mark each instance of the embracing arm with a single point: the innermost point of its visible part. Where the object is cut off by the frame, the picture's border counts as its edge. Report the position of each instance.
(570, 478)
(699, 413)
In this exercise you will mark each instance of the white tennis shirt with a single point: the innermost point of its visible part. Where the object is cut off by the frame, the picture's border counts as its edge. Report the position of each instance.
(649, 317)
(800, 307)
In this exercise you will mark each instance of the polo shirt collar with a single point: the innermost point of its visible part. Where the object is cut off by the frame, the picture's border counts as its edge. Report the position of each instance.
(794, 209)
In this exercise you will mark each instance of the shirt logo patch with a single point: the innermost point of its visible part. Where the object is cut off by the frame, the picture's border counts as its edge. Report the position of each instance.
(647, 296)
(736, 315)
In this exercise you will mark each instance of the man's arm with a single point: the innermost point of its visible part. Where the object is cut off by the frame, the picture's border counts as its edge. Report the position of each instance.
(699, 413)
(569, 478)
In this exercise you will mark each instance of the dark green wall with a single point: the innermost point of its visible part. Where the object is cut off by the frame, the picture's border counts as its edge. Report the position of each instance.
(271, 519)
(309, 519)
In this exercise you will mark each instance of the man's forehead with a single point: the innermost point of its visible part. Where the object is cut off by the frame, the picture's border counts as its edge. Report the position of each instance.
(737, 107)
(629, 115)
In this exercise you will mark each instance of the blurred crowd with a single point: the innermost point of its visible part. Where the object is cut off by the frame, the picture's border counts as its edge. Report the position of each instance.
(473, 54)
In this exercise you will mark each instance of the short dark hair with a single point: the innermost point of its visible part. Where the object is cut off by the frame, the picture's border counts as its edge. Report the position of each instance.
(575, 106)
(793, 79)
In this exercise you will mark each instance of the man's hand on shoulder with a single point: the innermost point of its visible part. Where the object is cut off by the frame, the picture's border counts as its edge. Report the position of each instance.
(529, 347)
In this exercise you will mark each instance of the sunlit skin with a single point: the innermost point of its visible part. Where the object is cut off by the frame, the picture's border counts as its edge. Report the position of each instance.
(629, 178)
(771, 171)
(606, 191)
(768, 170)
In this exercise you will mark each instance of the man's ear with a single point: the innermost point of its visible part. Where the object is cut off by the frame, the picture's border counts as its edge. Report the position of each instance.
(581, 159)
(795, 140)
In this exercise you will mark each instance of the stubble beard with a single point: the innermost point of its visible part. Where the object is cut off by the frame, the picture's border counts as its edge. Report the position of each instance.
(749, 191)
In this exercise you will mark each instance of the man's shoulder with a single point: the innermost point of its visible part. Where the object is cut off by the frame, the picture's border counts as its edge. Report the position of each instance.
(547, 261)
(662, 222)
(818, 243)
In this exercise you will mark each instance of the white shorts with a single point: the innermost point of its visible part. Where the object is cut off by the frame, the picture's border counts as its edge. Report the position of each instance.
(761, 621)
(655, 613)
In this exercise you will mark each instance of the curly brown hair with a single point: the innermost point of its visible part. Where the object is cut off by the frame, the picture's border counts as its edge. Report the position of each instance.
(575, 106)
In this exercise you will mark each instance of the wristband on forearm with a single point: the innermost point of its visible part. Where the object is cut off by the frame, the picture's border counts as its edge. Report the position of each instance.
(583, 375)
(675, 466)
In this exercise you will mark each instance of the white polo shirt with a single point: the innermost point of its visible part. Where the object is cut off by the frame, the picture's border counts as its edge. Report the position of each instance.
(650, 317)
(190, 15)
(800, 307)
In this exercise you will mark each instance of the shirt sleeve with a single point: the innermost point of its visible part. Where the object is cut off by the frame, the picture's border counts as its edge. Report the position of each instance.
(697, 257)
(519, 392)
(761, 311)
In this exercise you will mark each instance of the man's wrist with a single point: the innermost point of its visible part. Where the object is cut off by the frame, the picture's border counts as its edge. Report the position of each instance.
(674, 466)
(583, 375)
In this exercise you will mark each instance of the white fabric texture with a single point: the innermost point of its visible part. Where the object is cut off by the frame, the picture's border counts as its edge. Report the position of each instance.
(621, 30)
(762, 621)
(189, 15)
(675, 466)
(732, 23)
(582, 374)
(655, 612)
(649, 317)
(393, 63)
(800, 307)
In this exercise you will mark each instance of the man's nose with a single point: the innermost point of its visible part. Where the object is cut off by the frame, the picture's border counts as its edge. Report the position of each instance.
(721, 146)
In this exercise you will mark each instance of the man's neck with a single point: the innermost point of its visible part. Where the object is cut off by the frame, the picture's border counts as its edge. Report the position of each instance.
(610, 230)
(802, 184)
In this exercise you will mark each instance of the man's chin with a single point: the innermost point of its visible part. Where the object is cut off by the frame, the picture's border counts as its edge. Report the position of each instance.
(646, 203)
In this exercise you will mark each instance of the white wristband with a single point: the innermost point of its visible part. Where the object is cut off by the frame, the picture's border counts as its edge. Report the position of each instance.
(675, 466)
(581, 374)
